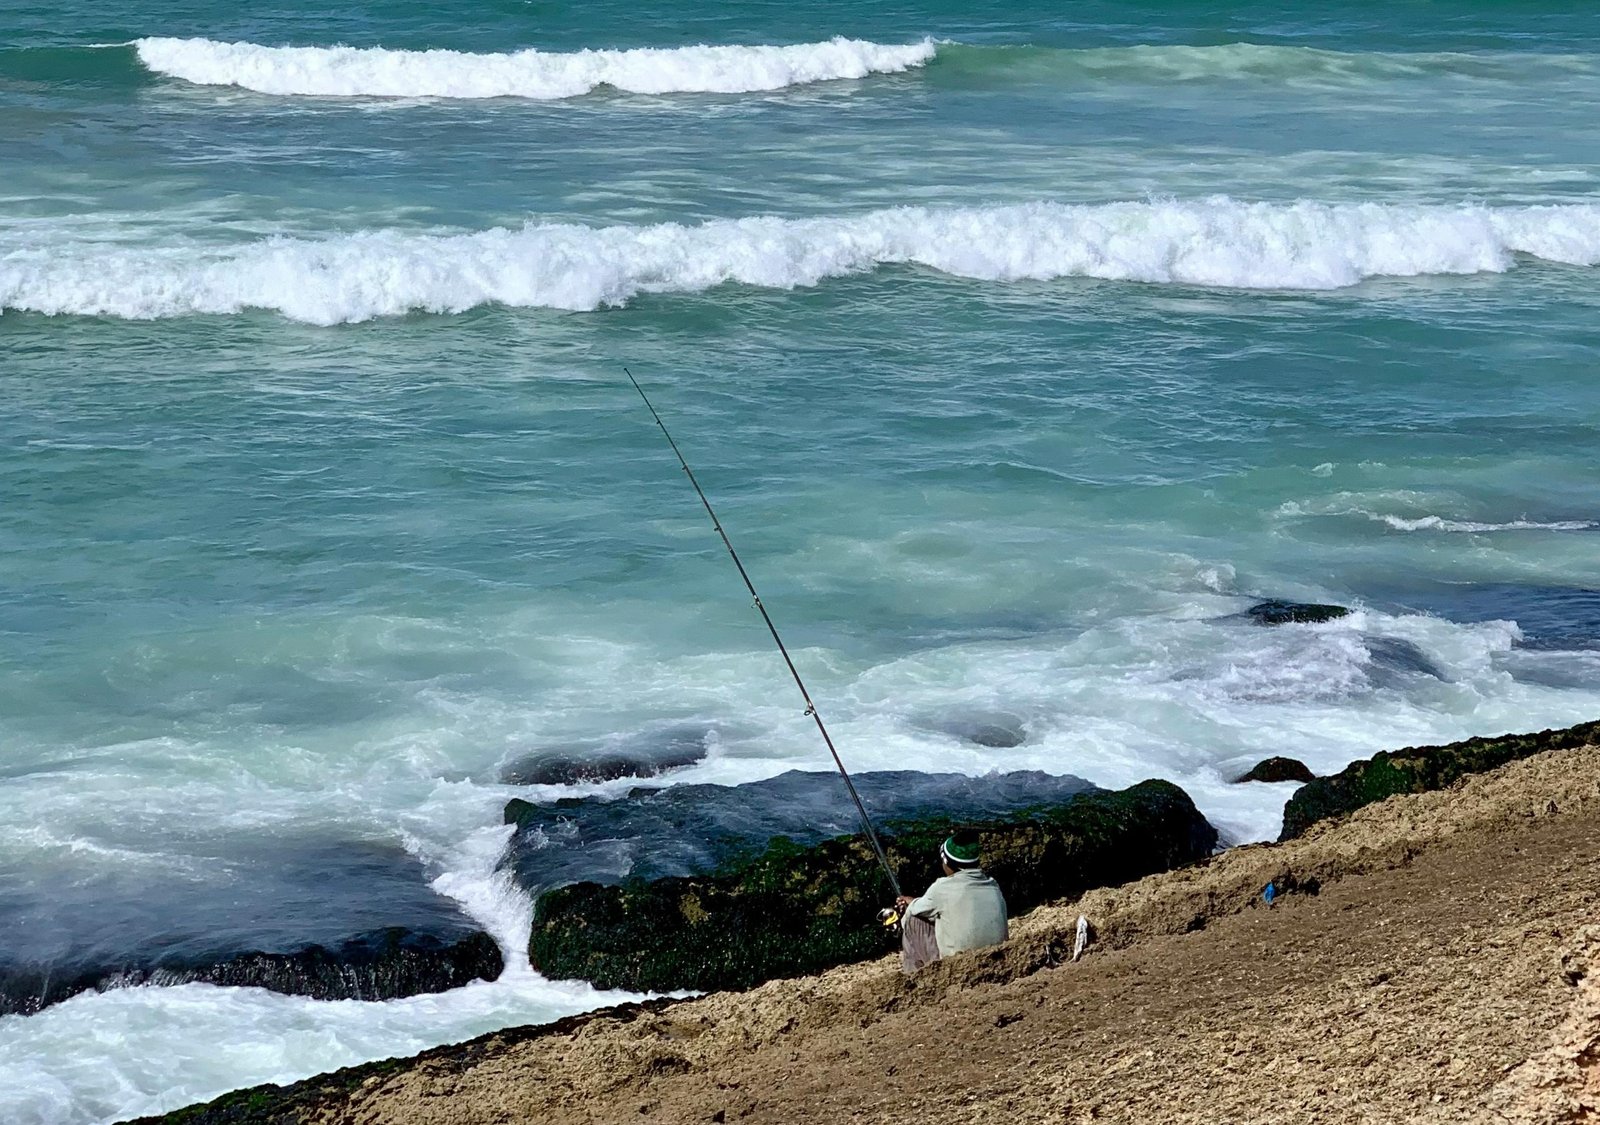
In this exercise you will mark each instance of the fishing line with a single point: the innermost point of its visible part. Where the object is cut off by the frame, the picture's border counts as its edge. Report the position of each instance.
(811, 708)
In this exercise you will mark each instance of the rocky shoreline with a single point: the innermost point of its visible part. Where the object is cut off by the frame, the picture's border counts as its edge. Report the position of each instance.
(361, 923)
(795, 910)
(1367, 891)
(1419, 769)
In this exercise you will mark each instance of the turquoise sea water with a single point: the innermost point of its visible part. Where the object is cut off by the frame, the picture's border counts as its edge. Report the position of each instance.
(1016, 363)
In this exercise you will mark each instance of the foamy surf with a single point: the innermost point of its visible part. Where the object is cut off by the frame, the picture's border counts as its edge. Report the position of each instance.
(1441, 523)
(382, 73)
(1218, 242)
(103, 1057)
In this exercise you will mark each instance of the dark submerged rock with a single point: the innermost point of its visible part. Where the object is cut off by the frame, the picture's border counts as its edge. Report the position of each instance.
(1393, 655)
(996, 738)
(997, 730)
(1417, 769)
(797, 910)
(645, 756)
(377, 966)
(1277, 612)
(327, 918)
(1278, 769)
(566, 769)
(994, 735)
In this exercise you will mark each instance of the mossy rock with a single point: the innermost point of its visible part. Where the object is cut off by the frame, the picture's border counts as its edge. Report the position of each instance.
(797, 910)
(1418, 769)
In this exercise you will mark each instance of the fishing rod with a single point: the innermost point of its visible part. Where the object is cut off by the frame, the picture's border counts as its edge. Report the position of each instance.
(811, 708)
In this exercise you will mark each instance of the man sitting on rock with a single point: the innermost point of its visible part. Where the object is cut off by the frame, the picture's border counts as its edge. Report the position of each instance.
(964, 910)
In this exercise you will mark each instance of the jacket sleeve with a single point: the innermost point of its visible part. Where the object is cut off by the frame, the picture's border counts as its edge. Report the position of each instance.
(928, 905)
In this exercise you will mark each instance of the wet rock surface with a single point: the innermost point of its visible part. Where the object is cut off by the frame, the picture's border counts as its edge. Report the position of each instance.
(800, 909)
(377, 966)
(1417, 769)
(333, 919)
(1276, 612)
(692, 829)
(1278, 769)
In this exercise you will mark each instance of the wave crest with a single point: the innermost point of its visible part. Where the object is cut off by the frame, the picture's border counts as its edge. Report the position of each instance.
(380, 72)
(1442, 523)
(1217, 243)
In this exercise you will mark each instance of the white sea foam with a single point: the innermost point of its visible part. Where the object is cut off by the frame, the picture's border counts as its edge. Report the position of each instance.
(1362, 506)
(1440, 523)
(541, 75)
(103, 1057)
(1214, 242)
(487, 892)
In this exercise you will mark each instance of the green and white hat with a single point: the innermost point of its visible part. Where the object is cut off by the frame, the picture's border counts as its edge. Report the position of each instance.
(959, 855)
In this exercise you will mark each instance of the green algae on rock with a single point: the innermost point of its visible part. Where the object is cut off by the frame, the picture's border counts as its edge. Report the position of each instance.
(796, 910)
(1417, 769)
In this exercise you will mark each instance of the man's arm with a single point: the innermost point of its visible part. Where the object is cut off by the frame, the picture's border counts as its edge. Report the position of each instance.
(925, 907)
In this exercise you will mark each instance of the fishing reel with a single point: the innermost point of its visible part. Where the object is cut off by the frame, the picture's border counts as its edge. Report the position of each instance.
(889, 919)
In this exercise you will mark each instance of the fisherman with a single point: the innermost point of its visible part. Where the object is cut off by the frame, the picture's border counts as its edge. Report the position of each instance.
(964, 910)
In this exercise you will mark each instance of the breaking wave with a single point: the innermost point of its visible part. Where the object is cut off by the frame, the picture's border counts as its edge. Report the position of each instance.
(1217, 242)
(382, 72)
(379, 72)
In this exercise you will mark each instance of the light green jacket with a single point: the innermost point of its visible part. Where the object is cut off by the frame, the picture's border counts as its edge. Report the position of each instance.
(967, 910)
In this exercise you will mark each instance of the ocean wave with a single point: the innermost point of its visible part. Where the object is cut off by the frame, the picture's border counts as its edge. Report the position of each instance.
(1440, 523)
(1217, 242)
(384, 72)
(541, 75)
(1348, 505)
(1289, 65)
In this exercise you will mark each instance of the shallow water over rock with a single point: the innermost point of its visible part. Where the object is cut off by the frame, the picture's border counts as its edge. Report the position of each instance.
(330, 919)
(691, 829)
